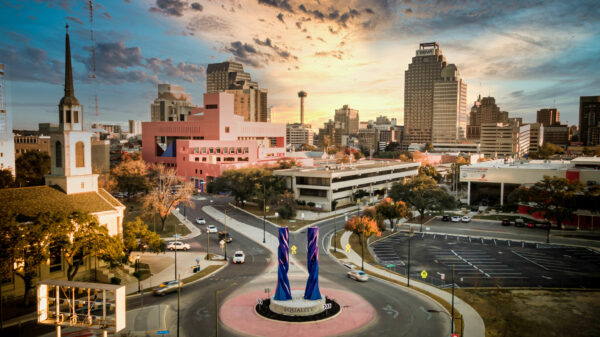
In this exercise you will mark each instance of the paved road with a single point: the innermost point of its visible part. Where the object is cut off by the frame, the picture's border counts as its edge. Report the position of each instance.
(400, 312)
(491, 262)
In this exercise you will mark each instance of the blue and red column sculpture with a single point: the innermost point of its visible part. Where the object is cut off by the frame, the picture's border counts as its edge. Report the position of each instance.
(311, 292)
(283, 292)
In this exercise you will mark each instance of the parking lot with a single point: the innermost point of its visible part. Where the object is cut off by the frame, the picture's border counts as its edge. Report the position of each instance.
(481, 262)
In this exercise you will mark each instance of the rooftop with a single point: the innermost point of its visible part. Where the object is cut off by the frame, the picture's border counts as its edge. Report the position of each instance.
(338, 168)
(540, 164)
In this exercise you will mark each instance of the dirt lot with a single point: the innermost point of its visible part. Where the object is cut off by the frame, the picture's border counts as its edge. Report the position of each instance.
(536, 313)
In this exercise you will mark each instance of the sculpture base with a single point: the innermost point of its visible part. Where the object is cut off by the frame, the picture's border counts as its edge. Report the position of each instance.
(297, 306)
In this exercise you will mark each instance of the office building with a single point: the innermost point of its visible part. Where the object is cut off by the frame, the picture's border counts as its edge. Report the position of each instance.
(25, 144)
(503, 140)
(212, 140)
(449, 107)
(135, 127)
(348, 118)
(332, 134)
(368, 140)
(558, 135)
(340, 183)
(536, 136)
(484, 111)
(419, 79)
(298, 134)
(7, 143)
(589, 120)
(249, 100)
(548, 117)
(172, 104)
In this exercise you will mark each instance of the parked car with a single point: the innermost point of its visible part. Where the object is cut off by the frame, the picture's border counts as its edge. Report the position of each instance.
(358, 275)
(167, 287)
(505, 222)
(239, 257)
(531, 224)
(178, 246)
(456, 218)
(445, 218)
(466, 218)
(544, 225)
(211, 229)
(200, 221)
(519, 222)
(223, 235)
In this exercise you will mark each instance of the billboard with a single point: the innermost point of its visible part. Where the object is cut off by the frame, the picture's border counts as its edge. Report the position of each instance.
(473, 173)
(425, 52)
(81, 304)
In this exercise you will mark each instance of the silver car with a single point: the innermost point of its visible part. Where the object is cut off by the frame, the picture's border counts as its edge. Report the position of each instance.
(167, 287)
(358, 275)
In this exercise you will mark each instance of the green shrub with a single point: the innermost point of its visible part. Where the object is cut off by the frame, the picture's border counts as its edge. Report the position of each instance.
(311, 204)
(286, 212)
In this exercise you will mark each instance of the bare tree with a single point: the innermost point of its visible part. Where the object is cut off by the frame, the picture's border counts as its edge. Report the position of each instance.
(169, 192)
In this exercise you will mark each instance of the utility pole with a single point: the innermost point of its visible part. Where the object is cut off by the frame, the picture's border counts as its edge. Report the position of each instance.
(452, 321)
(264, 213)
(178, 296)
(408, 264)
(226, 234)
(334, 233)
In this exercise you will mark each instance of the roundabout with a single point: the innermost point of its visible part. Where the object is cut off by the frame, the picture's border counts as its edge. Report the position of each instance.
(239, 314)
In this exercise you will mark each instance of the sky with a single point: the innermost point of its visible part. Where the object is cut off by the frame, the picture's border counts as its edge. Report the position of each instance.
(527, 54)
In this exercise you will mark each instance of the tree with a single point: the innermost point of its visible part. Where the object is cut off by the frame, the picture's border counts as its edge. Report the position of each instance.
(170, 192)
(365, 227)
(79, 236)
(554, 198)
(392, 211)
(6, 178)
(546, 151)
(430, 171)
(287, 164)
(307, 147)
(136, 235)
(130, 176)
(428, 147)
(371, 213)
(31, 168)
(453, 177)
(250, 184)
(423, 194)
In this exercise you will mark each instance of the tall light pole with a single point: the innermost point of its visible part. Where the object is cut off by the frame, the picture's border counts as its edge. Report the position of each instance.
(408, 264)
(265, 209)
(226, 234)
(137, 272)
(176, 247)
(452, 321)
(334, 233)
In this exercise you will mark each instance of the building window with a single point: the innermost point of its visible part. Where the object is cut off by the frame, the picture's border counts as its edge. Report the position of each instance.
(211, 150)
(218, 158)
(212, 106)
(82, 185)
(79, 154)
(203, 158)
(245, 150)
(196, 150)
(58, 154)
(229, 159)
(203, 150)
(197, 159)
(225, 150)
(232, 150)
(68, 116)
(226, 129)
(75, 117)
(218, 150)
(239, 150)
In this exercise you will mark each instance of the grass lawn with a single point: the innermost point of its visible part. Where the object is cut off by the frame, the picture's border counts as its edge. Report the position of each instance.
(536, 312)
(134, 209)
(356, 246)
(293, 224)
(202, 273)
(338, 254)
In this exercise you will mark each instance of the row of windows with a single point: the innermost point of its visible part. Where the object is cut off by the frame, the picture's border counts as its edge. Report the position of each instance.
(197, 159)
(219, 150)
(27, 140)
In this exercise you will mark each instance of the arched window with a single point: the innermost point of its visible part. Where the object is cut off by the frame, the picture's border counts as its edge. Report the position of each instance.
(79, 154)
(58, 154)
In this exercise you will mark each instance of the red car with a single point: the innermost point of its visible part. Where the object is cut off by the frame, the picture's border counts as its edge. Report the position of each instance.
(531, 225)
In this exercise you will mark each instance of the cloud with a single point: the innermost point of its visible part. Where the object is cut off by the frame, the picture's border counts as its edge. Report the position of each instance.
(280, 17)
(516, 94)
(107, 15)
(74, 19)
(189, 72)
(244, 53)
(170, 7)
(30, 64)
(208, 23)
(282, 53)
(280, 4)
(197, 6)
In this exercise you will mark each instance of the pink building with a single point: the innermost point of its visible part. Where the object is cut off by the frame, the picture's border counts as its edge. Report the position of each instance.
(212, 140)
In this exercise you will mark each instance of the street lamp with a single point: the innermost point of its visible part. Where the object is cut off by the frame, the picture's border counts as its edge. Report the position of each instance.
(334, 232)
(408, 264)
(176, 237)
(225, 239)
(137, 271)
(265, 210)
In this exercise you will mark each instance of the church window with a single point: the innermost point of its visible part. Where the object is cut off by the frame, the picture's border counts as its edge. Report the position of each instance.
(58, 151)
(79, 154)
(75, 117)
(68, 116)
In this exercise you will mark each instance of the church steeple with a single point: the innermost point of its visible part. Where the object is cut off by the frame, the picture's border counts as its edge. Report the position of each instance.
(69, 97)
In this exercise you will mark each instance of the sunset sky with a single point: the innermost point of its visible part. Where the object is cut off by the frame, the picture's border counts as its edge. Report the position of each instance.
(527, 54)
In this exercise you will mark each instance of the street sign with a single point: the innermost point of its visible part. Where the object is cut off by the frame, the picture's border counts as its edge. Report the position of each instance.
(348, 247)
(391, 265)
(163, 332)
(293, 250)
(292, 220)
(424, 274)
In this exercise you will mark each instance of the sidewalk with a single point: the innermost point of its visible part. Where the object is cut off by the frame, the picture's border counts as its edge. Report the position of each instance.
(194, 231)
(473, 323)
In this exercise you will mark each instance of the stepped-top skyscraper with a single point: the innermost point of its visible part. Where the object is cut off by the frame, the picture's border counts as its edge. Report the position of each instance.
(7, 142)
(249, 101)
(484, 111)
(419, 79)
(449, 107)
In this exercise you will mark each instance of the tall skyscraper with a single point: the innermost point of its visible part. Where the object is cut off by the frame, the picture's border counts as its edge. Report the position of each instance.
(249, 100)
(171, 105)
(589, 120)
(484, 111)
(548, 117)
(7, 142)
(348, 118)
(449, 107)
(419, 79)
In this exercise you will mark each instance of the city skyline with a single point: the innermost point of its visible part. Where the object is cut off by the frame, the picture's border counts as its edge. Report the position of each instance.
(532, 57)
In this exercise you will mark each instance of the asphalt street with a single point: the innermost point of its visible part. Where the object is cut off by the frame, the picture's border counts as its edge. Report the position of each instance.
(490, 262)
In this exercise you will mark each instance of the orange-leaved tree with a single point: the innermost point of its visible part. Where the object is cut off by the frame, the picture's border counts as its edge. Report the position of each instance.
(392, 211)
(363, 226)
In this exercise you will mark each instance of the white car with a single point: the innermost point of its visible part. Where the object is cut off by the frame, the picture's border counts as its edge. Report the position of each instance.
(211, 229)
(239, 257)
(358, 275)
(456, 218)
(466, 218)
(200, 221)
(178, 246)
